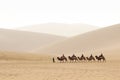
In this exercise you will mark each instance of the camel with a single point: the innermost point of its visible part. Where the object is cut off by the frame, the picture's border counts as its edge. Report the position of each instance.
(73, 58)
(98, 58)
(102, 57)
(88, 58)
(70, 58)
(91, 58)
(82, 58)
(62, 59)
(65, 59)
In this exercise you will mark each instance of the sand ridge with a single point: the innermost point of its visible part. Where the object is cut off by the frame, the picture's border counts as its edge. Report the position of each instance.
(61, 29)
(93, 42)
(24, 41)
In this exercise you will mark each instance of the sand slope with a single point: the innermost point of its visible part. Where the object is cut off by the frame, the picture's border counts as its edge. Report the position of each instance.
(21, 66)
(101, 40)
(22, 41)
(60, 29)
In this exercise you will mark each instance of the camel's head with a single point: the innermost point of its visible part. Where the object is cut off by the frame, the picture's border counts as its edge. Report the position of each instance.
(96, 56)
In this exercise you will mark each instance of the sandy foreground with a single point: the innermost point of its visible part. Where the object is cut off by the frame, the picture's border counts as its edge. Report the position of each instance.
(36, 70)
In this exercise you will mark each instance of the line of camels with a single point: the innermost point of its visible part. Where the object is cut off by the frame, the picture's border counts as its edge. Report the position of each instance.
(74, 58)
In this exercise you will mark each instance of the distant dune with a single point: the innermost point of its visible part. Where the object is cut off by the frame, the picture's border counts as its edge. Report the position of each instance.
(106, 40)
(23, 41)
(6, 55)
(60, 29)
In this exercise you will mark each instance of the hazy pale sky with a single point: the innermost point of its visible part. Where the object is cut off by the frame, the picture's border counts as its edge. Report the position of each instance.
(19, 13)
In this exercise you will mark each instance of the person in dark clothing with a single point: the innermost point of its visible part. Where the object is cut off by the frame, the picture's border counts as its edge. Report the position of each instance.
(53, 60)
(74, 55)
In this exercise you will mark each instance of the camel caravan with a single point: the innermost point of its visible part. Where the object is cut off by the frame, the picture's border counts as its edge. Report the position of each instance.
(74, 58)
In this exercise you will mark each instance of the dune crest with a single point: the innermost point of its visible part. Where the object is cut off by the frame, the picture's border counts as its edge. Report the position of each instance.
(98, 41)
(23, 41)
(60, 29)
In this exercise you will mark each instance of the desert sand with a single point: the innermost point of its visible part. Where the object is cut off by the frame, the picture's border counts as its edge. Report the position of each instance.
(25, 41)
(105, 40)
(16, 66)
(39, 65)
(60, 29)
(37, 70)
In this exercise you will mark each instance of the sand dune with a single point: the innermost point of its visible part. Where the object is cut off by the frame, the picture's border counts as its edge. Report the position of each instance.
(102, 40)
(22, 41)
(60, 29)
(28, 66)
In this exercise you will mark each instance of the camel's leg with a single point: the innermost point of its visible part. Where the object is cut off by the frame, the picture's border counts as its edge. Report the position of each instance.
(104, 60)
